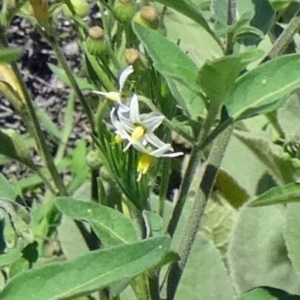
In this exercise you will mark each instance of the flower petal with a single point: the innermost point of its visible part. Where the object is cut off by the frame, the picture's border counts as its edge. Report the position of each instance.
(124, 75)
(134, 110)
(153, 122)
(155, 141)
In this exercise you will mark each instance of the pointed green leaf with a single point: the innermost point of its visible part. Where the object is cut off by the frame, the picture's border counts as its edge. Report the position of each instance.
(204, 274)
(215, 77)
(71, 240)
(257, 253)
(164, 53)
(263, 86)
(189, 9)
(267, 293)
(9, 55)
(87, 273)
(6, 189)
(292, 234)
(14, 146)
(269, 155)
(111, 226)
(278, 195)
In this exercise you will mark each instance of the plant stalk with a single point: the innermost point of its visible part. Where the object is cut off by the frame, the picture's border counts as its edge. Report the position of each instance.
(197, 211)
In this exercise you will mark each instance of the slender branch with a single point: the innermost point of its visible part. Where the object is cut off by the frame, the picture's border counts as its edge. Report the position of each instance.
(197, 211)
(284, 39)
(231, 17)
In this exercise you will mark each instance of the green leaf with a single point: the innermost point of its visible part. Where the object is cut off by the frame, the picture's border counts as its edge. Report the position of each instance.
(81, 82)
(292, 234)
(215, 77)
(248, 31)
(189, 9)
(269, 155)
(267, 293)
(79, 167)
(204, 274)
(71, 240)
(153, 223)
(288, 115)
(13, 146)
(164, 53)
(220, 8)
(263, 86)
(87, 273)
(50, 126)
(6, 189)
(257, 254)
(217, 222)
(9, 55)
(278, 195)
(111, 226)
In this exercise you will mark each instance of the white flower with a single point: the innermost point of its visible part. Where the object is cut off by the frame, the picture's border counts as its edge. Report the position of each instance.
(116, 96)
(138, 130)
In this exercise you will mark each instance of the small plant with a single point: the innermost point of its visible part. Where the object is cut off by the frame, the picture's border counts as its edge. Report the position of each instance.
(204, 93)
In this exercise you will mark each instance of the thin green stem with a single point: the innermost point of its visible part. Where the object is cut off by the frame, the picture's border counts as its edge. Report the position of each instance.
(154, 287)
(284, 39)
(197, 211)
(231, 17)
(203, 140)
(35, 129)
(163, 188)
(184, 189)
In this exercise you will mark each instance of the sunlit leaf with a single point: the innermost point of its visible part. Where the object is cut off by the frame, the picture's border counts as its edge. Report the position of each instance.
(87, 273)
(278, 195)
(267, 293)
(9, 55)
(263, 87)
(164, 53)
(111, 226)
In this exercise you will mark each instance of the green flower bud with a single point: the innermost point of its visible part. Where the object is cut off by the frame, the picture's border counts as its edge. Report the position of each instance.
(81, 8)
(93, 160)
(96, 43)
(124, 10)
(132, 56)
(148, 17)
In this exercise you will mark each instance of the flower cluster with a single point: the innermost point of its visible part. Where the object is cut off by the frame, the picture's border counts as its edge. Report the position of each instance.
(137, 129)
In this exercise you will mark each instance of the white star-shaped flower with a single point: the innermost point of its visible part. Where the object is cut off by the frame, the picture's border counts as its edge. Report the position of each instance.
(138, 130)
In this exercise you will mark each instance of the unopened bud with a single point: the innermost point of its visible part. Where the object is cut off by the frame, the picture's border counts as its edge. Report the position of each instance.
(131, 55)
(124, 10)
(148, 17)
(96, 43)
(93, 160)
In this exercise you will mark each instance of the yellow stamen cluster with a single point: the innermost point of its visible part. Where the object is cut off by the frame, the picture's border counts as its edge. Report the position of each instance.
(138, 132)
(144, 164)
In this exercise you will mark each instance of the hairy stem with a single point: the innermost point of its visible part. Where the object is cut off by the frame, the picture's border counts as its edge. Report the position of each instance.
(190, 231)
(284, 39)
